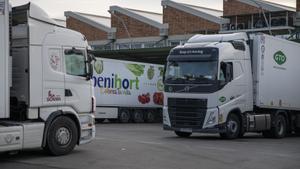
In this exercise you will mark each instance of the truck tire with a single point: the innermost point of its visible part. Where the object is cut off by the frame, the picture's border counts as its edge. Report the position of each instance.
(183, 134)
(124, 116)
(138, 116)
(279, 130)
(233, 127)
(62, 136)
(150, 117)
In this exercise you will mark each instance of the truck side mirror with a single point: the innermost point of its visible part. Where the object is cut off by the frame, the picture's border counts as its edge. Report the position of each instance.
(90, 71)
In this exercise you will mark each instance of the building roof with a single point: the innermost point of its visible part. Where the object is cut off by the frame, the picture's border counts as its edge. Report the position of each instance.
(158, 17)
(268, 6)
(151, 18)
(100, 22)
(212, 15)
(214, 12)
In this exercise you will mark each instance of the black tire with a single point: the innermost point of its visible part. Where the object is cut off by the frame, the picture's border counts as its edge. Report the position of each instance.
(279, 130)
(124, 116)
(138, 116)
(62, 136)
(150, 117)
(183, 134)
(100, 120)
(233, 128)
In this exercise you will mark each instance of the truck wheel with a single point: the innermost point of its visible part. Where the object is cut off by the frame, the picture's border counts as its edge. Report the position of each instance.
(279, 129)
(233, 127)
(150, 117)
(183, 134)
(138, 116)
(124, 116)
(62, 136)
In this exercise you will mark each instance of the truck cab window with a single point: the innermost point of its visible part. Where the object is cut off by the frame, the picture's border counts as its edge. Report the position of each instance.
(75, 62)
(226, 72)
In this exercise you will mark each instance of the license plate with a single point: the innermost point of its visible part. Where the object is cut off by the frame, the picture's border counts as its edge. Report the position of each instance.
(186, 130)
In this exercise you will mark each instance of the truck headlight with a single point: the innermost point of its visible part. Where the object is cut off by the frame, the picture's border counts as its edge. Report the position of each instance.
(211, 119)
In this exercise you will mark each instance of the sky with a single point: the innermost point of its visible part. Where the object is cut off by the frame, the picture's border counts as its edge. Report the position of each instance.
(56, 8)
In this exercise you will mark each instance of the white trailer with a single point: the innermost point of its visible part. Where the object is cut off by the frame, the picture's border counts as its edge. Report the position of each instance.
(128, 91)
(232, 84)
(46, 92)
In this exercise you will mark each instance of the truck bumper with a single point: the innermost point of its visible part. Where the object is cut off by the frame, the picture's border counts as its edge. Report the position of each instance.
(88, 129)
(216, 129)
(209, 121)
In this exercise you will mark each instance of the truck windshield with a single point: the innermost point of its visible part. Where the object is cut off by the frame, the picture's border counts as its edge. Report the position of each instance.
(191, 72)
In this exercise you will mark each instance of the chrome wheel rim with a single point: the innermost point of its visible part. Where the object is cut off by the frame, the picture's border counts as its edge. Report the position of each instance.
(232, 126)
(63, 136)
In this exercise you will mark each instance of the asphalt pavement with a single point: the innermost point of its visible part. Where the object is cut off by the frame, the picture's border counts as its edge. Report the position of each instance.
(147, 146)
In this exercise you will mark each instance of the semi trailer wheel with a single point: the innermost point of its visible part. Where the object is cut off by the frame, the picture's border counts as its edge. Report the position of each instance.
(279, 129)
(62, 136)
(124, 116)
(138, 116)
(183, 134)
(233, 127)
(150, 117)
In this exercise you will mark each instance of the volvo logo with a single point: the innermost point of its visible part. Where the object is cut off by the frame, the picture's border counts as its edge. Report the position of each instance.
(170, 89)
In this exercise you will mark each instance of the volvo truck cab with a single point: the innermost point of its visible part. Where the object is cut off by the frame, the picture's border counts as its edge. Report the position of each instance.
(216, 84)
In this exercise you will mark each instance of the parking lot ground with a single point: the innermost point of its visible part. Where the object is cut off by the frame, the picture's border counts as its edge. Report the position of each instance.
(147, 146)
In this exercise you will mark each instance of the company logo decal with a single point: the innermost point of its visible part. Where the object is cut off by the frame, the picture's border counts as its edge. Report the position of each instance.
(9, 138)
(52, 97)
(222, 99)
(280, 58)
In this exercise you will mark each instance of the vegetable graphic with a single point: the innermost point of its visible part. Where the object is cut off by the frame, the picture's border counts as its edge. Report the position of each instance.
(137, 70)
(151, 72)
(98, 66)
(144, 98)
(161, 71)
(158, 98)
(160, 85)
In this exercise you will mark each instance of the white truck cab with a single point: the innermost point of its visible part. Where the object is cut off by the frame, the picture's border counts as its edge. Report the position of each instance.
(46, 95)
(216, 84)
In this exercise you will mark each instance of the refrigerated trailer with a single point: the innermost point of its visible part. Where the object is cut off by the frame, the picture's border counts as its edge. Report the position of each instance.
(46, 92)
(128, 91)
(232, 84)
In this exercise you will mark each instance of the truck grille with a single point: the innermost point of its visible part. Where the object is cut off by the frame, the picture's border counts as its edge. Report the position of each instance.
(187, 113)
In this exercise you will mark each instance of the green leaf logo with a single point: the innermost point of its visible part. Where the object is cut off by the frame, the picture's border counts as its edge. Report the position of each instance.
(222, 99)
(280, 58)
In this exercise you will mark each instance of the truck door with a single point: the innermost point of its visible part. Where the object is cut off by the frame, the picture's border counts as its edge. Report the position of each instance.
(77, 87)
(53, 77)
